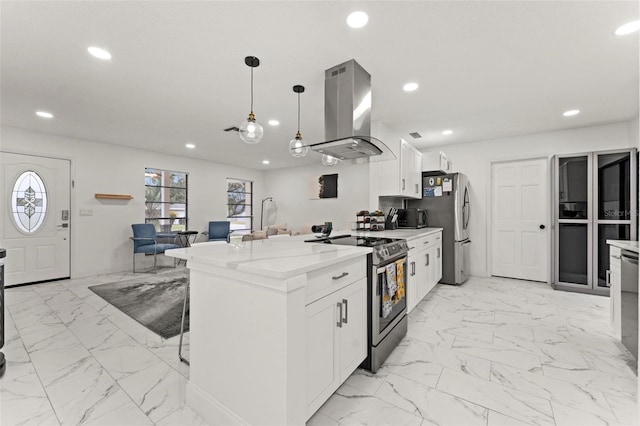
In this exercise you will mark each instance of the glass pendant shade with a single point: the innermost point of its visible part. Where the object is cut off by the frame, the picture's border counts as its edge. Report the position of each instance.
(328, 160)
(250, 130)
(297, 148)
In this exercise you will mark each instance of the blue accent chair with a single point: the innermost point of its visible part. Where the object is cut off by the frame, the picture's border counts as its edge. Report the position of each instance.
(145, 240)
(219, 231)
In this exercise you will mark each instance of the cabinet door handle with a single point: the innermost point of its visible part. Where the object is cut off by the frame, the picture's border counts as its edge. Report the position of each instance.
(616, 257)
(346, 311)
(417, 191)
(425, 242)
(342, 275)
(607, 279)
(427, 257)
(438, 252)
(339, 322)
(413, 268)
(403, 184)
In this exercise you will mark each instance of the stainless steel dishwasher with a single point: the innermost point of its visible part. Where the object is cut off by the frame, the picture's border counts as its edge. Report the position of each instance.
(629, 301)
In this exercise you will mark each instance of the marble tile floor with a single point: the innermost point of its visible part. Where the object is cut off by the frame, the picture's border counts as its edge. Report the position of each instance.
(490, 352)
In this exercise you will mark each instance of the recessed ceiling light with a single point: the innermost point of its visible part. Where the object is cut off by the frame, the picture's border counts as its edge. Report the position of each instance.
(265, 161)
(571, 112)
(44, 114)
(628, 28)
(410, 87)
(357, 19)
(190, 145)
(273, 122)
(447, 132)
(99, 53)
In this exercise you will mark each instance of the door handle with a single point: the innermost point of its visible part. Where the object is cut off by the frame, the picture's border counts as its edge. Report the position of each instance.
(346, 310)
(542, 226)
(403, 184)
(607, 279)
(417, 191)
(64, 225)
(339, 322)
(427, 259)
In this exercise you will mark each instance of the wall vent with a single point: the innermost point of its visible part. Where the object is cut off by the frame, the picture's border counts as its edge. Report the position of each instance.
(415, 135)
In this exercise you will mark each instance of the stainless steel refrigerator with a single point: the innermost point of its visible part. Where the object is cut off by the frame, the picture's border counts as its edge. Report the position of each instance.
(446, 199)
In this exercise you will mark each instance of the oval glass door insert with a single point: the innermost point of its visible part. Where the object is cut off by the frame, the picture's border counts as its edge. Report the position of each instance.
(29, 202)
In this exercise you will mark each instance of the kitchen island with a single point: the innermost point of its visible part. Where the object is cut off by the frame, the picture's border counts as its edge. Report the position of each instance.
(622, 278)
(267, 343)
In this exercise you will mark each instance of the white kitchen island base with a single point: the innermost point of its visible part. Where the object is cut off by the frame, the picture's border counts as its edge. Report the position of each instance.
(249, 333)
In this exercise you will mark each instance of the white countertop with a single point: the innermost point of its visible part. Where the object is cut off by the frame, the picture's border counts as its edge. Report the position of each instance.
(274, 258)
(624, 244)
(406, 233)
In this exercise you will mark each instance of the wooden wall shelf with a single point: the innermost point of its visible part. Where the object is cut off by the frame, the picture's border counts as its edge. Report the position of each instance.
(114, 196)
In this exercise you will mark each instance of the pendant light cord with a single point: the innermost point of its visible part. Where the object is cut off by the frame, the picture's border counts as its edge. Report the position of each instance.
(251, 90)
(298, 112)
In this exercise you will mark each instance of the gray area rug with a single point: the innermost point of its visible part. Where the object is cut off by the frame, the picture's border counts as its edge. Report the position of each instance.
(154, 301)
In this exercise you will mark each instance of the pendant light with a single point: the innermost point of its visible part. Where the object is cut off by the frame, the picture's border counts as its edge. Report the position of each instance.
(251, 131)
(297, 148)
(329, 160)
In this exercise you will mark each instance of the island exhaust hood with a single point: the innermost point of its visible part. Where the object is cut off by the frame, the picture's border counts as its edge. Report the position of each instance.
(347, 116)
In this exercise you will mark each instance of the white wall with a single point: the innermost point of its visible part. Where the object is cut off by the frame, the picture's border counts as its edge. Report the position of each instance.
(292, 203)
(474, 160)
(100, 243)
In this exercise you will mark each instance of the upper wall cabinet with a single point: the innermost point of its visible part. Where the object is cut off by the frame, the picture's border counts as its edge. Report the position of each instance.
(400, 177)
(436, 162)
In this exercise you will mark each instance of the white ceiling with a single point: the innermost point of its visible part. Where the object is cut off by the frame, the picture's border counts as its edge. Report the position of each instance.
(486, 69)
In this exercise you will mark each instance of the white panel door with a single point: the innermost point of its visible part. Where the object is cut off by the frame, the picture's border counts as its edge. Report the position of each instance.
(35, 218)
(520, 214)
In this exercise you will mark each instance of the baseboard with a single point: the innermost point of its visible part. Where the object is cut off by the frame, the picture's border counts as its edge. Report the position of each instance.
(210, 409)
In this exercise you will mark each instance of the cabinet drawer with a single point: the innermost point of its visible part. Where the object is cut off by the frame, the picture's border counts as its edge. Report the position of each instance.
(331, 278)
(426, 242)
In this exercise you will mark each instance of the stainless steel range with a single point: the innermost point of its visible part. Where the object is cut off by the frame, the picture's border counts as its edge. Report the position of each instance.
(387, 303)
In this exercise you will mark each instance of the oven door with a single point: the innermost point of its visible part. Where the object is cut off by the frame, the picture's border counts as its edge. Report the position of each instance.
(389, 301)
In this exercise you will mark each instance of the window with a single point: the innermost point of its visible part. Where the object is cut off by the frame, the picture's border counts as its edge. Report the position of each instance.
(166, 199)
(240, 205)
(29, 202)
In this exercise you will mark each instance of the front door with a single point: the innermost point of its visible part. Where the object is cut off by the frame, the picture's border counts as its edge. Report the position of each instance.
(520, 216)
(35, 217)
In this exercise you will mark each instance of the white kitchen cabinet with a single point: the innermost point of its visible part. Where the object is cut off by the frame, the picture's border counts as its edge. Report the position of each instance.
(416, 275)
(436, 162)
(401, 177)
(615, 289)
(336, 341)
(425, 267)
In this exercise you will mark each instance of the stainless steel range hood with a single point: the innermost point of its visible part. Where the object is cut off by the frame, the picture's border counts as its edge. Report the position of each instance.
(347, 116)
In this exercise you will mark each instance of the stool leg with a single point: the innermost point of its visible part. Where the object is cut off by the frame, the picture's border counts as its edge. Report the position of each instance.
(184, 312)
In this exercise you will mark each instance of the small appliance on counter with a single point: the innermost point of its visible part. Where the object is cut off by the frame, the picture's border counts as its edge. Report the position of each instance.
(392, 219)
(412, 218)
